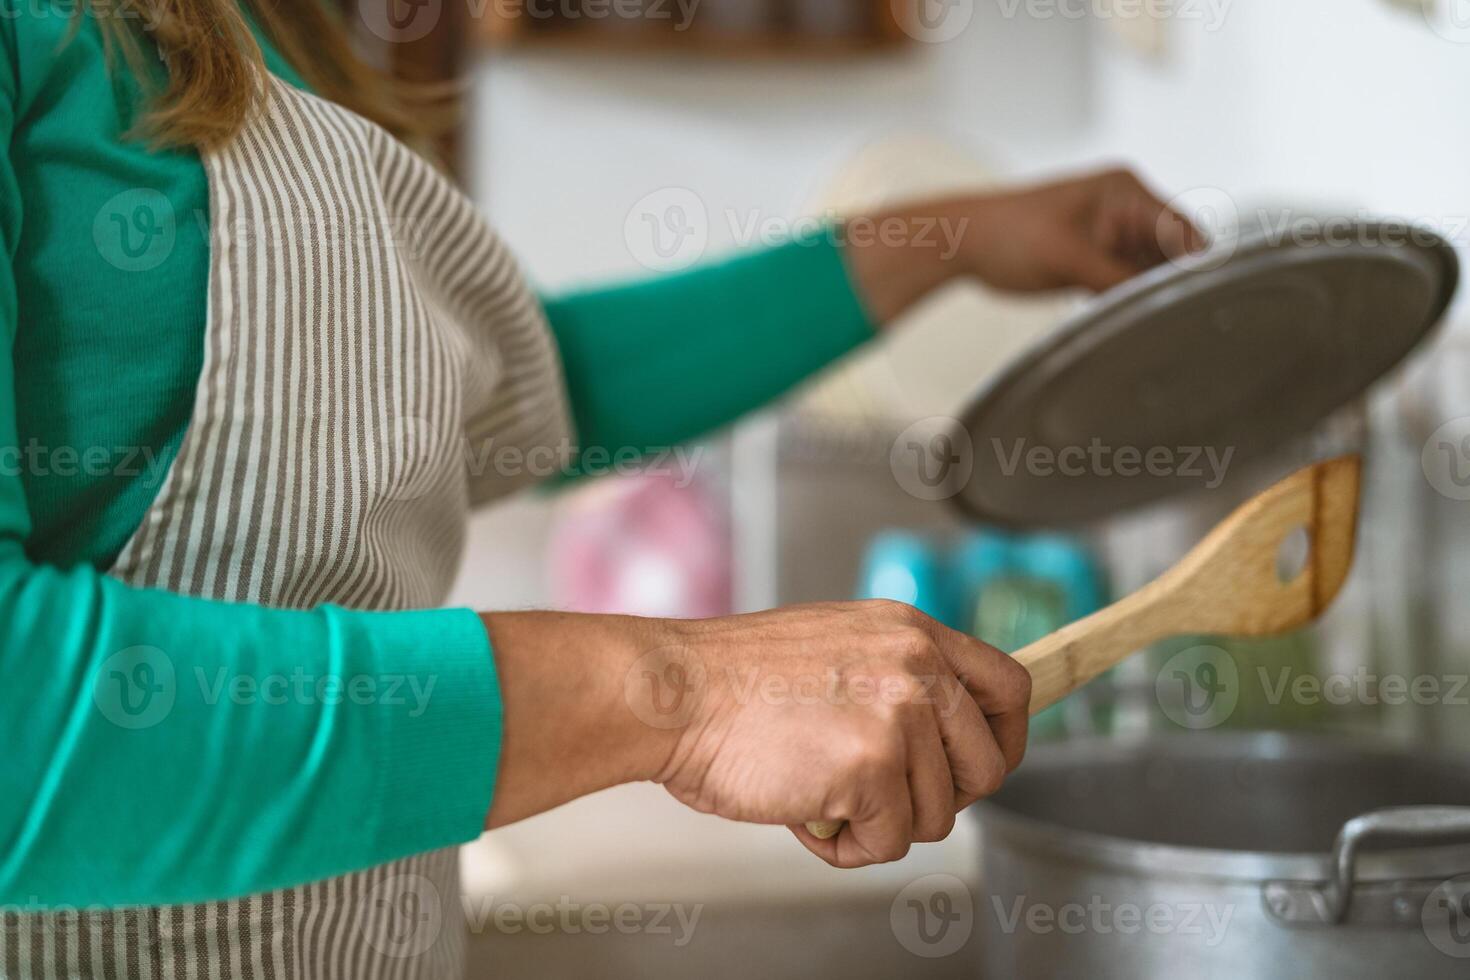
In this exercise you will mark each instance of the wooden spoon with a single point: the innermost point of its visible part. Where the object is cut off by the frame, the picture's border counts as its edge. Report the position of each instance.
(1229, 584)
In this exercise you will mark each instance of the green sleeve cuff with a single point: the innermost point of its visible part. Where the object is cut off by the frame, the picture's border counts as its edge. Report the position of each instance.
(440, 731)
(653, 364)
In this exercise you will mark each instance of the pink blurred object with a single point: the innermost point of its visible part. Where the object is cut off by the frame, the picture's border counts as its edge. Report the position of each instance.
(643, 546)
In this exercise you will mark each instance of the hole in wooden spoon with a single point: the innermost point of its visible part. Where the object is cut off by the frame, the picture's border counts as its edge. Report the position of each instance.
(1292, 556)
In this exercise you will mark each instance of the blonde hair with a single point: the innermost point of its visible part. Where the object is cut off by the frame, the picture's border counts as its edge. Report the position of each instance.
(216, 69)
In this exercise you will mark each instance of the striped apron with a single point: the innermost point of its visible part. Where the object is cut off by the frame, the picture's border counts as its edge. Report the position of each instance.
(365, 327)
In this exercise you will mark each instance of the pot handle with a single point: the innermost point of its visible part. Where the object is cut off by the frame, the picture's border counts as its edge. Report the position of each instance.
(1300, 903)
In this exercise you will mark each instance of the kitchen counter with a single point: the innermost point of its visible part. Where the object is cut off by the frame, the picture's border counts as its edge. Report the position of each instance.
(733, 899)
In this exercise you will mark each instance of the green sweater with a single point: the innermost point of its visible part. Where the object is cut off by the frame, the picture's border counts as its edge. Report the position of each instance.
(120, 785)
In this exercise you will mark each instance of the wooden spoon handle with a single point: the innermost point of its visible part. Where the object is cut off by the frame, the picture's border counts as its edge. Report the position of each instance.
(1064, 661)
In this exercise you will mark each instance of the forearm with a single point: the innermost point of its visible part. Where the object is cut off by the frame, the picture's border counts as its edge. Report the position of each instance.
(656, 363)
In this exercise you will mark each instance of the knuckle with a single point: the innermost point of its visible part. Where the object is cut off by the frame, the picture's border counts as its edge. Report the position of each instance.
(991, 777)
(870, 757)
(984, 777)
(893, 850)
(899, 612)
(1018, 680)
(913, 647)
(936, 829)
(886, 608)
(1020, 754)
(904, 689)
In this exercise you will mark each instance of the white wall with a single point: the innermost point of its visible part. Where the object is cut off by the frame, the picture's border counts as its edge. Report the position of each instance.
(1354, 101)
(1337, 102)
(1348, 100)
(567, 144)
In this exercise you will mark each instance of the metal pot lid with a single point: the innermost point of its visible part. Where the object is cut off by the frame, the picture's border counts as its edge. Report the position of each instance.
(1157, 384)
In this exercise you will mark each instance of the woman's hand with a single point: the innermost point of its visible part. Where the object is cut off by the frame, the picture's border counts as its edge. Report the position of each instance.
(865, 712)
(870, 713)
(1092, 232)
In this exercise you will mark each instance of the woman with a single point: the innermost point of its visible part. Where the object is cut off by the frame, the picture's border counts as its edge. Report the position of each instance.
(249, 333)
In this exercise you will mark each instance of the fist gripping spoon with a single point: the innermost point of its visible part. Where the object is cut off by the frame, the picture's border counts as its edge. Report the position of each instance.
(1229, 584)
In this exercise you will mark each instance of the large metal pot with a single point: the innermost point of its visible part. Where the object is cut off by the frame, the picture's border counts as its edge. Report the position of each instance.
(1216, 855)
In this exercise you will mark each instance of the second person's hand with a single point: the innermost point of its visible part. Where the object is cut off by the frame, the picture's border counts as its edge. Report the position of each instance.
(1092, 232)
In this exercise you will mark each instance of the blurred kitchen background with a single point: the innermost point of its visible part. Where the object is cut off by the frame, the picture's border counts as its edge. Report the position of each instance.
(586, 132)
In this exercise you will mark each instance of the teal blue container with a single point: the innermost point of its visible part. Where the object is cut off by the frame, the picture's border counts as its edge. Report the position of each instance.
(907, 567)
(1017, 589)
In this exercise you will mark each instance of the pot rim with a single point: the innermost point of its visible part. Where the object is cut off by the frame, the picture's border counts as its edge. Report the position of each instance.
(1000, 825)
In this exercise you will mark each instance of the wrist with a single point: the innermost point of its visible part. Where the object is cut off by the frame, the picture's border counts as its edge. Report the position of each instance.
(648, 700)
(899, 256)
(569, 728)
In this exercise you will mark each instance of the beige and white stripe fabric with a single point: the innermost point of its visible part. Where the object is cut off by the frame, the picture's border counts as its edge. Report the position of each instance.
(371, 350)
